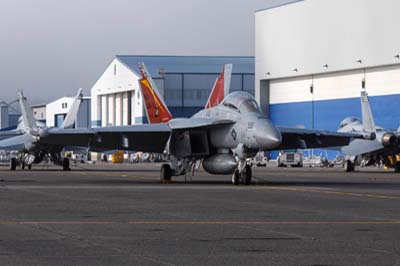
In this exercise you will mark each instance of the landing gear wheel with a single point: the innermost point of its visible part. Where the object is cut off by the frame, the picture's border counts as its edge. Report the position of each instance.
(247, 174)
(165, 173)
(396, 167)
(236, 177)
(348, 166)
(65, 164)
(13, 164)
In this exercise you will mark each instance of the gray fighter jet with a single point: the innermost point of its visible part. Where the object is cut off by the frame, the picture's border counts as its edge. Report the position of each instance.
(384, 147)
(26, 138)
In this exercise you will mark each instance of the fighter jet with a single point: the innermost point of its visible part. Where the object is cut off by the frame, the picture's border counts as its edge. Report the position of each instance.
(222, 137)
(26, 138)
(227, 132)
(361, 152)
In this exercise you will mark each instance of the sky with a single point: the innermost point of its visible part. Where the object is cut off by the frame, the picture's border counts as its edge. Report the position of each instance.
(50, 48)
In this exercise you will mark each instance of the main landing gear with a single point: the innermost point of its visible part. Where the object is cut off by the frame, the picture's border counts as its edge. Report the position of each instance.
(65, 164)
(21, 161)
(348, 166)
(165, 173)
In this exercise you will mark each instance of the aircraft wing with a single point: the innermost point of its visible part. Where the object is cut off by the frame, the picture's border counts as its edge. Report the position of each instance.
(9, 134)
(360, 146)
(16, 142)
(148, 137)
(298, 138)
(193, 123)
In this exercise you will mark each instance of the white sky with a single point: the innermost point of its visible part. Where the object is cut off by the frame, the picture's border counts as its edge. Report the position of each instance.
(50, 48)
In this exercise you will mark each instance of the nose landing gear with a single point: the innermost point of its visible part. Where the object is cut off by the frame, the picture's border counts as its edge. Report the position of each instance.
(242, 175)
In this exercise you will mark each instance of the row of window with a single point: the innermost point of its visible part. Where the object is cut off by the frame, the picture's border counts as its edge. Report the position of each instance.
(197, 87)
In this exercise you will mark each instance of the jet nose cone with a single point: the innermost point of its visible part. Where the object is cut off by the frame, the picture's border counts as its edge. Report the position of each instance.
(268, 137)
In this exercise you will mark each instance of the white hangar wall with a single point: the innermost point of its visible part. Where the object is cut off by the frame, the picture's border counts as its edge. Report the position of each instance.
(116, 99)
(331, 46)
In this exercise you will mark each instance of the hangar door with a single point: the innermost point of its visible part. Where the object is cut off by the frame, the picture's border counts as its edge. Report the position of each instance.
(322, 101)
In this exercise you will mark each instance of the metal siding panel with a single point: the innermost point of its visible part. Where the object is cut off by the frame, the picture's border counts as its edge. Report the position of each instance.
(309, 34)
(290, 90)
(173, 90)
(248, 84)
(198, 88)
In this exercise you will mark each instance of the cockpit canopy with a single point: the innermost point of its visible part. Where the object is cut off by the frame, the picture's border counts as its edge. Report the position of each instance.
(241, 101)
(349, 120)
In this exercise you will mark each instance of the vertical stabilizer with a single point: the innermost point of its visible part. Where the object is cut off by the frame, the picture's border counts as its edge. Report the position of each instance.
(26, 112)
(72, 114)
(221, 87)
(367, 118)
(156, 109)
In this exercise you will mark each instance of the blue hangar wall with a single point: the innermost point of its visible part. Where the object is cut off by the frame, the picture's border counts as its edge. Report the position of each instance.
(323, 101)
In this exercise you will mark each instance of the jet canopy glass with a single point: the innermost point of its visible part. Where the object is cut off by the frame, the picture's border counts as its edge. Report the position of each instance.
(348, 121)
(241, 101)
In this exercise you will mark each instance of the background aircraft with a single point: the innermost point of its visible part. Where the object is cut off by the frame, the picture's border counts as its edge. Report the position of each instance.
(363, 152)
(26, 138)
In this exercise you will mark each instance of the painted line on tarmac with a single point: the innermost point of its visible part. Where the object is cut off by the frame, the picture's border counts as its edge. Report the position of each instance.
(263, 222)
(54, 222)
(331, 192)
(201, 222)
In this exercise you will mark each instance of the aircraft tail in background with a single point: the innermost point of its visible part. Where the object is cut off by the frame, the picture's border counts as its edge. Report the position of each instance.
(72, 114)
(367, 118)
(156, 109)
(26, 112)
(221, 87)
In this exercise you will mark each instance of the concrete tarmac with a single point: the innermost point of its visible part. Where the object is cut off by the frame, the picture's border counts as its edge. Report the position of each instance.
(123, 215)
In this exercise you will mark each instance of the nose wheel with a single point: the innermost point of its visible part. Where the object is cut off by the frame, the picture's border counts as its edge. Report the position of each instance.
(348, 166)
(242, 177)
(247, 174)
(13, 164)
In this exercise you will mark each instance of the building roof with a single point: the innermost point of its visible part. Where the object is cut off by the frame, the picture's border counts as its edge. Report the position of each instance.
(189, 64)
(279, 3)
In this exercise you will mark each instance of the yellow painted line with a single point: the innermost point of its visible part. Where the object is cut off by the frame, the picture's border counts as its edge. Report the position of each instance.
(333, 192)
(201, 222)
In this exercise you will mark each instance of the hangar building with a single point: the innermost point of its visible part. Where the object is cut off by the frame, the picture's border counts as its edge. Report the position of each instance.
(313, 58)
(56, 111)
(9, 115)
(184, 81)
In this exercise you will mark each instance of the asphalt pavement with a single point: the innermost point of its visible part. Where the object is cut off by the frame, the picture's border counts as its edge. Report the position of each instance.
(123, 215)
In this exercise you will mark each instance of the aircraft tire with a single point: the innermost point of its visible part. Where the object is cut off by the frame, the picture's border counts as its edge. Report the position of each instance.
(348, 166)
(65, 164)
(396, 167)
(165, 173)
(13, 164)
(247, 175)
(236, 177)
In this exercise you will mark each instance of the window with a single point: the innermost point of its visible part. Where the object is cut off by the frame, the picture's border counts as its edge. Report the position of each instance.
(249, 106)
